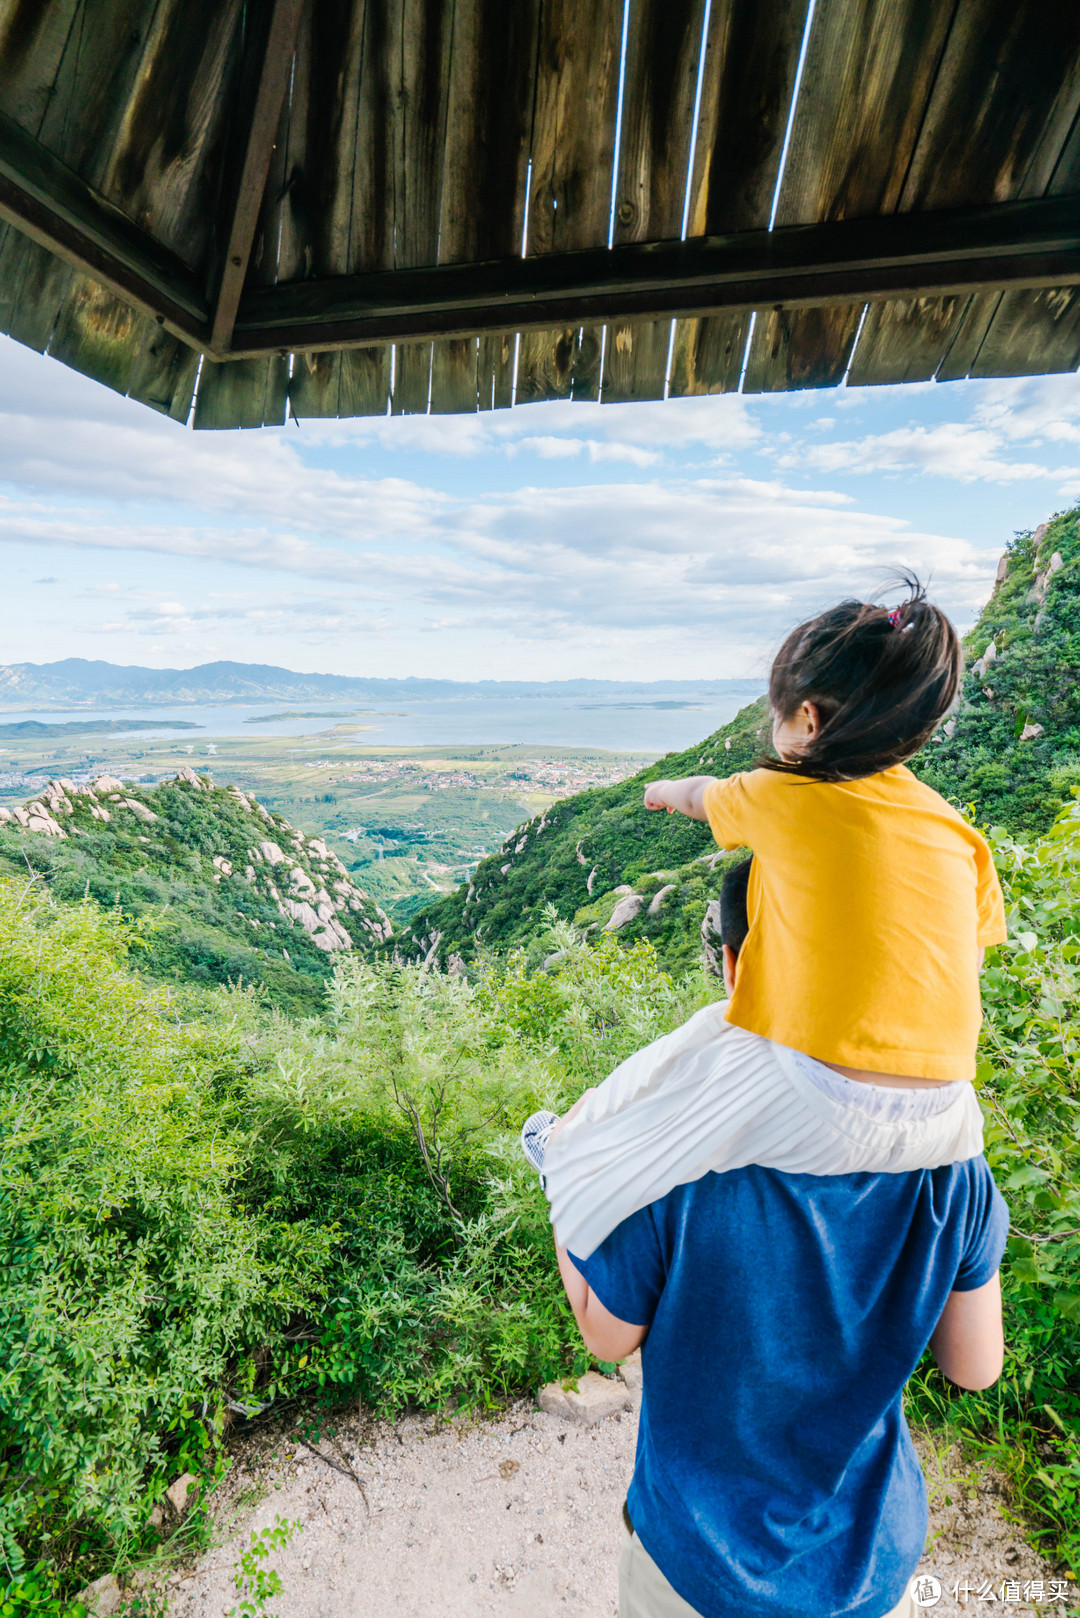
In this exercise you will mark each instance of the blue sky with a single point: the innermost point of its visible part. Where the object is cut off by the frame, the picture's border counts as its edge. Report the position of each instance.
(651, 541)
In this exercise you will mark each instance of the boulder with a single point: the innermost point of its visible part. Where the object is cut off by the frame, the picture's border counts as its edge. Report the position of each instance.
(271, 853)
(630, 1371)
(140, 811)
(186, 773)
(103, 1597)
(626, 909)
(181, 1494)
(594, 1398)
(108, 783)
(712, 959)
(657, 901)
(1029, 732)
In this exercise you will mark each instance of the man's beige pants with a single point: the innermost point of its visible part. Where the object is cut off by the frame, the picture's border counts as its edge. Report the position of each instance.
(645, 1593)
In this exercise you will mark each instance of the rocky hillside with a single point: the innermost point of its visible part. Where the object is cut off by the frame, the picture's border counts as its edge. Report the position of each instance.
(227, 889)
(1012, 748)
(600, 858)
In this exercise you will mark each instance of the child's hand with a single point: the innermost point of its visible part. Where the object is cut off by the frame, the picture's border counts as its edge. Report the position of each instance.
(686, 797)
(656, 796)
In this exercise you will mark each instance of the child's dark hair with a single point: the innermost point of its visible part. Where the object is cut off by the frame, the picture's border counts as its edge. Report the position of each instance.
(881, 680)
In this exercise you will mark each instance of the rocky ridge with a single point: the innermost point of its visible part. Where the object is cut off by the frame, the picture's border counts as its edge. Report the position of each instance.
(231, 891)
(304, 880)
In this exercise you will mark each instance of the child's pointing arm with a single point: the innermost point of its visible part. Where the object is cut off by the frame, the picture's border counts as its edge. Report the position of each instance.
(686, 797)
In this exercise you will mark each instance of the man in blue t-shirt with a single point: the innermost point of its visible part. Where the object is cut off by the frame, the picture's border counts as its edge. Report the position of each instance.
(780, 1317)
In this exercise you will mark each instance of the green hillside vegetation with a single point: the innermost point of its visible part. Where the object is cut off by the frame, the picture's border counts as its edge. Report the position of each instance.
(224, 890)
(1013, 746)
(581, 852)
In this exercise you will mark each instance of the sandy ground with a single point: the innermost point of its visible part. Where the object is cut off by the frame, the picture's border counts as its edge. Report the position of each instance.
(518, 1516)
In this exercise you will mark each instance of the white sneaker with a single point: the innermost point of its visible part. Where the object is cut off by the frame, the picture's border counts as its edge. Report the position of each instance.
(534, 1138)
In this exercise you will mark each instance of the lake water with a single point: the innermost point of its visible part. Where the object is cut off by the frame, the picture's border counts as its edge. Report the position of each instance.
(625, 724)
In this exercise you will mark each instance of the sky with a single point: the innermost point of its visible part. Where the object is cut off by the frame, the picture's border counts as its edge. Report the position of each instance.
(675, 540)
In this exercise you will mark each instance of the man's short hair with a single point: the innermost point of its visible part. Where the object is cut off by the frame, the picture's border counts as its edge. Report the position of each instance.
(734, 921)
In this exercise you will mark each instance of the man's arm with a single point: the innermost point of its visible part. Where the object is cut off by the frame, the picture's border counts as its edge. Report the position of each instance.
(604, 1334)
(968, 1342)
(685, 797)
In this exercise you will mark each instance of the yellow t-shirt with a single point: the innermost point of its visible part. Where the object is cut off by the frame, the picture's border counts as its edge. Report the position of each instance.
(868, 903)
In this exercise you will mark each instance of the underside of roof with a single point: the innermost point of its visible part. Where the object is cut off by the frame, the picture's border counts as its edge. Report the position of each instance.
(234, 210)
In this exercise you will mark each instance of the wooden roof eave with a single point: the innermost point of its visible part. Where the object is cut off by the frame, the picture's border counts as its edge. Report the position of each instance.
(1032, 243)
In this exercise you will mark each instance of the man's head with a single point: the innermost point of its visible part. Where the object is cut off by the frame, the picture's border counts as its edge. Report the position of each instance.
(734, 918)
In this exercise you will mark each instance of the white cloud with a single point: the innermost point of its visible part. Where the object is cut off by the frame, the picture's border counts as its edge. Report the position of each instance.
(952, 449)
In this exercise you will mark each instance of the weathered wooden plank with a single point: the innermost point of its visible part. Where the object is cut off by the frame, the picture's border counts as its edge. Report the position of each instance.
(577, 73)
(33, 39)
(315, 385)
(242, 201)
(453, 376)
(365, 381)
(708, 355)
(635, 360)
(869, 70)
(163, 372)
(546, 365)
(65, 76)
(96, 334)
(167, 163)
(664, 43)
(242, 393)
(803, 348)
(94, 81)
(1004, 102)
(977, 311)
(495, 370)
(748, 78)
(903, 339)
(751, 58)
(1001, 123)
(577, 67)
(353, 383)
(488, 129)
(412, 379)
(870, 67)
(585, 372)
(1032, 332)
(383, 123)
(39, 283)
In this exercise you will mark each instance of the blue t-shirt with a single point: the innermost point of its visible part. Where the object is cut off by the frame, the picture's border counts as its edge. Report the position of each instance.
(774, 1471)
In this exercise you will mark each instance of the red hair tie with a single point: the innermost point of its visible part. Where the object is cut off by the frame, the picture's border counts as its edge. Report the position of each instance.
(895, 615)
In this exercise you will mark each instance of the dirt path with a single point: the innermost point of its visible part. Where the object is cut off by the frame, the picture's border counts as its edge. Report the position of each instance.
(518, 1516)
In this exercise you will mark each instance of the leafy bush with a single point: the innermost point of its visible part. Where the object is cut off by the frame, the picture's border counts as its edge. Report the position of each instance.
(1029, 1082)
(204, 1205)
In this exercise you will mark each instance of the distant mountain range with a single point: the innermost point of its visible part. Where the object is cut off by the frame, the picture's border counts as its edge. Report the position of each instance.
(76, 682)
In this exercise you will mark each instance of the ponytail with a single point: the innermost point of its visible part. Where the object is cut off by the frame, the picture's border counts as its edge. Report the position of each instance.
(882, 681)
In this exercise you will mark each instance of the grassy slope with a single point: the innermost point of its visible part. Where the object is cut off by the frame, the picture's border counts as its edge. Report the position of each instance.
(604, 835)
(205, 926)
(1033, 619)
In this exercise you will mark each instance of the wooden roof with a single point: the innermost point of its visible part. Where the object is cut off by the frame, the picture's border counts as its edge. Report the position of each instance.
(336, 207)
